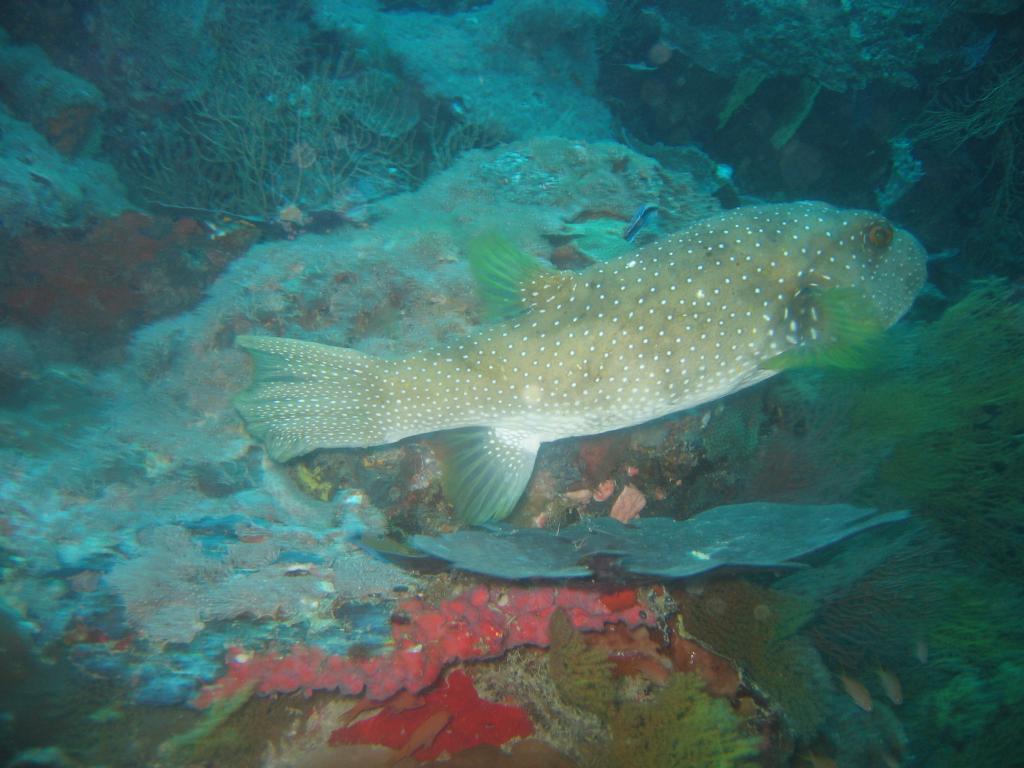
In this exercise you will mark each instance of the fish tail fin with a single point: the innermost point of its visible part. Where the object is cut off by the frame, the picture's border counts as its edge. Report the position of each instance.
(306, 396)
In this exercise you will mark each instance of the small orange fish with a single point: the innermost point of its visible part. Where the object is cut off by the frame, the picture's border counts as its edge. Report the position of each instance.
(604, 490)
(921, 651)
(891, 685)
(400, 702)
(858, 692)
(628, 504)
(423, 736)
(580, 496)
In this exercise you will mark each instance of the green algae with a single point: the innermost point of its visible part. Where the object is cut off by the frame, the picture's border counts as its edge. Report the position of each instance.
(679, 726)
(210, 735)
(682, 726)
(582, 675)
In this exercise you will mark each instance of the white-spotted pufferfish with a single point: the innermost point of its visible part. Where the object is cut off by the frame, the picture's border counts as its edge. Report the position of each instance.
(689, 319)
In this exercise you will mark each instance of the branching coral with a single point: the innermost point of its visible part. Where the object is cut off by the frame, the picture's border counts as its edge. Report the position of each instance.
(279, 120)
(266, 124)
(952, 402)
(878, 597)
(989, 124)
(757, 628)
(682, 725)
(980, 116)
(933, 425)
(238, 150)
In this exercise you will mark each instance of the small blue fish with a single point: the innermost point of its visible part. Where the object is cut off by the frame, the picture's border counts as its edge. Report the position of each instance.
(641, 217)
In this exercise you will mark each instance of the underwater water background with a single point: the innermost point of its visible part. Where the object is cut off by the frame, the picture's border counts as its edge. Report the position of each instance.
(707, 588)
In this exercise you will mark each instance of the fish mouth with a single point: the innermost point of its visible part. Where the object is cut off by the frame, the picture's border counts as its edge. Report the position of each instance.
(898, 276)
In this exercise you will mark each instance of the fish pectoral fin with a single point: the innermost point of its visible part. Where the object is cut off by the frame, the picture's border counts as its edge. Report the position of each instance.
(484, 471)
(836, 328)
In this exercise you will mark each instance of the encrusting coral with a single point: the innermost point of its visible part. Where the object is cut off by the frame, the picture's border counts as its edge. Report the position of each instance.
(680, 725)
(448, 719)
(480, 623)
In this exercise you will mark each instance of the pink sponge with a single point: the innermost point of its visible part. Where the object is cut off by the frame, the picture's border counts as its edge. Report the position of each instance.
(481, 623)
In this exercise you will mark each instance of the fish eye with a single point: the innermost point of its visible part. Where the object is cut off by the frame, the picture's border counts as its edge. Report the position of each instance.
(878, 234)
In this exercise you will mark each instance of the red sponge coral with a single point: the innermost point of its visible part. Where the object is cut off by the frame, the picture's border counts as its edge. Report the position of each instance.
(481, 623)
(452, 718)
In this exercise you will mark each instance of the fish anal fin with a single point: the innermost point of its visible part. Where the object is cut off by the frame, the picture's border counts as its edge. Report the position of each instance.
(485, 471)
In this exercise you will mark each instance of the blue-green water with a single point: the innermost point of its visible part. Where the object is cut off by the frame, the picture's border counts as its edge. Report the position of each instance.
(173, 176)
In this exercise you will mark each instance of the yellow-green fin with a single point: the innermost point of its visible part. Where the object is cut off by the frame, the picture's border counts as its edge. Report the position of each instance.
(485, 471)
(501, 271)
(846, 332)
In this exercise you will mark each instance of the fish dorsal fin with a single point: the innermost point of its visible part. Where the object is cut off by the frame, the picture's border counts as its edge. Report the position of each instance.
(502, 274)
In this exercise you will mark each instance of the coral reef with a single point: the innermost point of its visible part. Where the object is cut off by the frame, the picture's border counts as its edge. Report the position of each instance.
(533, 55)
(523, 675)
(757, 628)
(478, 624)
(62, 107)
(681, 725)
(200, 739)
(791, 44)
(282, 121)
(773, 534)
(93, 287)
(876, 598)
(357, 143)
(944, 409)
(582, 674)
(44, 189)
(980, 116)
(461, 718)
(326, 143)
(151, 440)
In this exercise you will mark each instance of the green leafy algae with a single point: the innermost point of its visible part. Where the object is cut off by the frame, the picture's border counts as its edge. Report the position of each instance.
(682, 727)
(945, 406)
(582, 675)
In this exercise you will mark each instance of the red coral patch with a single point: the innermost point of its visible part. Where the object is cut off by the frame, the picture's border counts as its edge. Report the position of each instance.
(473, 721)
